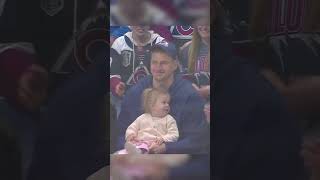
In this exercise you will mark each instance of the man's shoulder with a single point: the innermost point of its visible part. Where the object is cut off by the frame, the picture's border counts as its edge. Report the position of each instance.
(183, 88)
(121, 43)
(141, 85)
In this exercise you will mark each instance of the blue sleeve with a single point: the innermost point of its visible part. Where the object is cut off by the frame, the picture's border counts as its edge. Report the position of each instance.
(129, 111)
(194, 131)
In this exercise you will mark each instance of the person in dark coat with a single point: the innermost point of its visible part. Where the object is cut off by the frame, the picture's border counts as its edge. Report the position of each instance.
(73, 142)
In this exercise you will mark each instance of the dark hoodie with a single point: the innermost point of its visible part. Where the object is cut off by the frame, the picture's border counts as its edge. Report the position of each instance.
(253, 136)
(13, 63)
(186, 106)
(72, 144)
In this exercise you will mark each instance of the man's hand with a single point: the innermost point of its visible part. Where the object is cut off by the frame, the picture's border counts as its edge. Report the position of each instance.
(206, 111)
(132, 138)
(157, 149)
(311, 154)
(120, 89)
(159, 140)
(32, 87)
(138, 167)
(204, 91)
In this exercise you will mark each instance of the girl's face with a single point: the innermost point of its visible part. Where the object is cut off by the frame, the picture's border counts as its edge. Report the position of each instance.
(161, 108)
(204, 31)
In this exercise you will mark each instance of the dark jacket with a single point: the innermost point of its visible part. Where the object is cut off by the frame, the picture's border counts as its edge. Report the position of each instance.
(253, 136)
(186, 106)
(72, 143)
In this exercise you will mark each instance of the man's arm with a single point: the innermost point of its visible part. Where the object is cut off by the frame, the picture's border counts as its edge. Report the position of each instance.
(271, 146)
(194, 131)
(127, 115)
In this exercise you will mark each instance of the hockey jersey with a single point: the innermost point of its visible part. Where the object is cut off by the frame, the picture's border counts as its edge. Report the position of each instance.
(130, 63)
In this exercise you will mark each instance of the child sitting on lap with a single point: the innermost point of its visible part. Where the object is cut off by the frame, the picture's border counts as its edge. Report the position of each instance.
(154, 126)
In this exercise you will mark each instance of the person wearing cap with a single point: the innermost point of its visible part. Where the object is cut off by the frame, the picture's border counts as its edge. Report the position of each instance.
(186, 104)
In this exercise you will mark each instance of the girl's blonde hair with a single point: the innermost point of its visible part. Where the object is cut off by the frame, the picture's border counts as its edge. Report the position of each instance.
(149, 98)
(194, 50)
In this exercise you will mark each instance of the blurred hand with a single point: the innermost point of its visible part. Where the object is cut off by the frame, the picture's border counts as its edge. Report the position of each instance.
(159, 140)
(206, 111)
(311, 154)
(132, 138)
(138, 168)
(204, 91)
(120, 89)
(157, 149)
(32, 87)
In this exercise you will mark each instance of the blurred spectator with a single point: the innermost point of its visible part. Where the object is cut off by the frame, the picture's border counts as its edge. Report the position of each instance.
(133, 60)
(24, 88)
(117, 31)
(289, 59)
(160, 167)
(266, 138)
(136, 12)
(72, 143)
(195, 58)
(254, 136)
(181, 34)
(311, 154)
(299, 82)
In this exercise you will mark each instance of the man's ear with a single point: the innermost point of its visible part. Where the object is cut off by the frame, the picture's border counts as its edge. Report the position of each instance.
(176, 64)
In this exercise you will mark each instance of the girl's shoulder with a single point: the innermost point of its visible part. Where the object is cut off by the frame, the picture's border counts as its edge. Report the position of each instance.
(144, 116)
(170, 118)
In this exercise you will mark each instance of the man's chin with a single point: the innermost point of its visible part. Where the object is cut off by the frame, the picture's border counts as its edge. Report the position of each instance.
(158, 78)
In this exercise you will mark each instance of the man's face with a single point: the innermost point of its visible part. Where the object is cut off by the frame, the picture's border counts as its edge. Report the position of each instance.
(140, 30)
(162, 66)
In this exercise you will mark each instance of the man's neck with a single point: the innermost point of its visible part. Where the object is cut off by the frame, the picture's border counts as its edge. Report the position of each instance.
(141, 40)
(163, 84)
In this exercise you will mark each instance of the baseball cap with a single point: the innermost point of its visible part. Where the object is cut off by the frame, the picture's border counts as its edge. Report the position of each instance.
(169, 48)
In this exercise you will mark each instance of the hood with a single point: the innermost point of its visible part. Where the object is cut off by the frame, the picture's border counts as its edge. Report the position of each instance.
(152, 39)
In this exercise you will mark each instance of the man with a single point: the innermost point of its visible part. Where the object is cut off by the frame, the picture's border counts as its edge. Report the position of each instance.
(130, 60)
(185, 104)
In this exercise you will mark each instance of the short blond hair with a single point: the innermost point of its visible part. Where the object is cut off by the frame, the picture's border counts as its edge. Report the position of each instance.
(149, 97)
